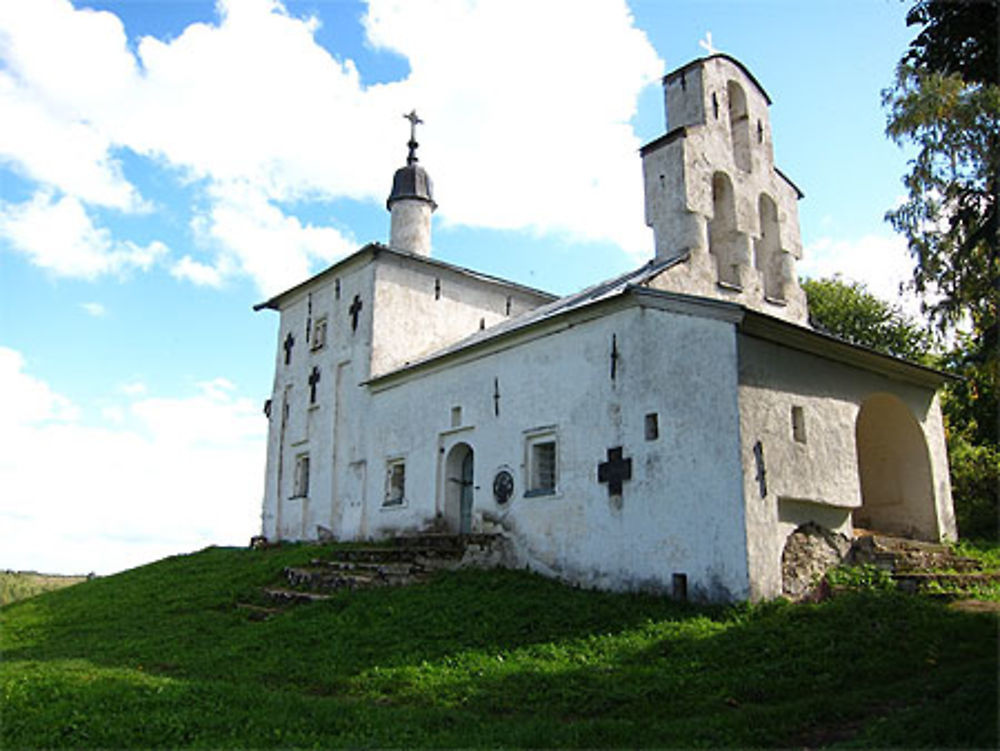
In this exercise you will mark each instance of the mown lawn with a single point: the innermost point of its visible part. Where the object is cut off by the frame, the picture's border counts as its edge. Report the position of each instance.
(163, 656)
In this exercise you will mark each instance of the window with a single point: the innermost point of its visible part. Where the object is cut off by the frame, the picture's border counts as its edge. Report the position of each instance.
(395, 483)
(542, 467)
(652, 426)
(301, 489)
(798, 424)
(319, 334)
(456, 416)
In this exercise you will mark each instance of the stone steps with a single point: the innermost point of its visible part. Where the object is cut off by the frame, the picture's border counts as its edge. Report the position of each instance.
(408, 560)
(899, 555)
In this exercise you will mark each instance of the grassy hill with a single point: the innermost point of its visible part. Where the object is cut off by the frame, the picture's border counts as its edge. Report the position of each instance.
(168, 655)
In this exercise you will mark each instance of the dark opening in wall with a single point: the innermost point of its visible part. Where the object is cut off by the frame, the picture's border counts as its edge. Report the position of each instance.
(652, 426)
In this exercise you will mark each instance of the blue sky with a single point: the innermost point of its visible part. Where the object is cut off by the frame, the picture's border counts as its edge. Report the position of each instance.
(164, 165)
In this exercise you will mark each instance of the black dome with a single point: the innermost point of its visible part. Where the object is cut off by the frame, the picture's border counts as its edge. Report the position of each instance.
(411, 181)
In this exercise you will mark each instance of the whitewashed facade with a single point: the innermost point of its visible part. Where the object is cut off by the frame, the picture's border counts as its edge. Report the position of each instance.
(665, 430)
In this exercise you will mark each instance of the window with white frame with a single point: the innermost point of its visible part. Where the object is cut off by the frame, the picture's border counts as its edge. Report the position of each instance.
(319, 333)
(301, 485)
(395, 483)
(542, 467)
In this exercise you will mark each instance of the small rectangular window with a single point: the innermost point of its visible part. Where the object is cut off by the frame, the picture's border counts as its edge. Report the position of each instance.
(456, 416)
(542, 467)
(301, 488)
(395, 483)
(652, 426)
(798, 424)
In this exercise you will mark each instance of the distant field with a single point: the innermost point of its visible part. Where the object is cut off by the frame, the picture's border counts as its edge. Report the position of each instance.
(17, 585)
(187, 653)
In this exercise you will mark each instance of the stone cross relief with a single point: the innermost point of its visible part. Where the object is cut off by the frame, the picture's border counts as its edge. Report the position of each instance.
(313, 380)
(355, 310)
(289, 343)
(614, 471)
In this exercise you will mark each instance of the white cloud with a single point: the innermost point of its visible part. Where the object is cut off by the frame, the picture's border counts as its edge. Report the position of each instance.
(67, 76)
(59, 235)
(881, 262)
(94, 309)
(532, 135)
(160, 475)
(254, 235)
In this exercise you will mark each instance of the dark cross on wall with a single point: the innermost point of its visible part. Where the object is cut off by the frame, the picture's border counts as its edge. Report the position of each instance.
(614, 356)
(354, 310)
(614, 471)
(761, 478)
(496, 397)
(313, 380)
(289, 343)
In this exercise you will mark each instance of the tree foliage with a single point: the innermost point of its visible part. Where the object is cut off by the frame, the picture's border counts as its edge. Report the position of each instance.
(849, 311)
(946, 103)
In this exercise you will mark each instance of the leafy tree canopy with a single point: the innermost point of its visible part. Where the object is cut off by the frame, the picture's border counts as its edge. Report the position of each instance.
(848, 310)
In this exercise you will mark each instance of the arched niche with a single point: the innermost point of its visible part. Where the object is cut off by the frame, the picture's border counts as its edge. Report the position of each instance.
(897, 491)
(739, 125)
(767, 249)
(458, 490)
(723, 237)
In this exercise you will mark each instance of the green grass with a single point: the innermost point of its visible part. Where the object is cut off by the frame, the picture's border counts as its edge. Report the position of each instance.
(20, 585)
(163, 656)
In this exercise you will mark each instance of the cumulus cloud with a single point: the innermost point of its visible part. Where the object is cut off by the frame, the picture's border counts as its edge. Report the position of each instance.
(58, 235)
(533, 136)
(158, 475)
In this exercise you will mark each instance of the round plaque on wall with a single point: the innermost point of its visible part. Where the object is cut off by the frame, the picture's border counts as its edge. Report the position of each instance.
(503, 486)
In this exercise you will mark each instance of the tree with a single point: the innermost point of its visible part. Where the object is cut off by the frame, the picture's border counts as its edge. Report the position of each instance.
(946, 102)
(849, 311)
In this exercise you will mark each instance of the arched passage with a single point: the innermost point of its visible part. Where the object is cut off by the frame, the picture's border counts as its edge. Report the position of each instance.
(458, 488)
(897, 492)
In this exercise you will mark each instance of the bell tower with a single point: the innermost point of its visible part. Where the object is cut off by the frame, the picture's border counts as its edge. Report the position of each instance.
(714, 196)
(411, 201)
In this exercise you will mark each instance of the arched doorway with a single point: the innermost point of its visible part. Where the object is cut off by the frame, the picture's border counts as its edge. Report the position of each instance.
(897, 492)
(459, 479)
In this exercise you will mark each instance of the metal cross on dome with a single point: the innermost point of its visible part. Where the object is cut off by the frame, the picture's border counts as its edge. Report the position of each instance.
(414, 120)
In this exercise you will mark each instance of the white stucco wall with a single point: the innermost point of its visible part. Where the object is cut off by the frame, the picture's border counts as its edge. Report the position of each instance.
(310, 428)
(818, 480)
(680, 513)
(421, 308)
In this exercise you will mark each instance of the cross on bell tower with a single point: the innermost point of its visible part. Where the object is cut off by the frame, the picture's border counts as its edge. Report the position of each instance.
(411, 201)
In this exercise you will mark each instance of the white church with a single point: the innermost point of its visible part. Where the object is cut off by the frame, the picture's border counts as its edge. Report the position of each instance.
(665, 430)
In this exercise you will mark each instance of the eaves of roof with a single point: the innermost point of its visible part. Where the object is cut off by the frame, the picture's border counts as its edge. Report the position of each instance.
(778, 331)
(377, 249)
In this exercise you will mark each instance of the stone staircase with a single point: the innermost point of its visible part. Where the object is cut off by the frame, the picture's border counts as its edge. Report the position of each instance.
(408, 559)
(917, 566)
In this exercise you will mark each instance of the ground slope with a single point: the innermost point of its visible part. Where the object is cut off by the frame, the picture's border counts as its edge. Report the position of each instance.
(168, 655)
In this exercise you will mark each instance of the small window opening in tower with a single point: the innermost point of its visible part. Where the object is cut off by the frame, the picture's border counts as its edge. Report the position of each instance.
(336, 289)
(437, 289)
(684, 85)
(760, 132)
(739, 125)
(715, 105)
(507, 306)
(767, 249)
